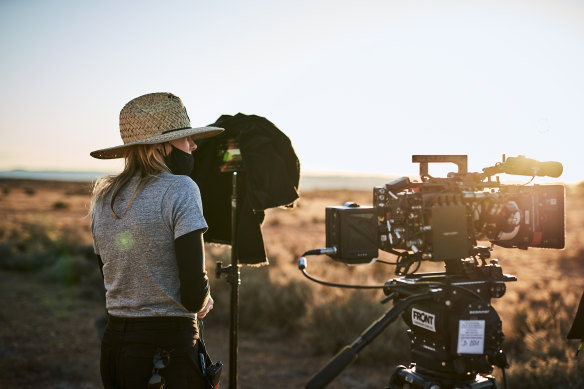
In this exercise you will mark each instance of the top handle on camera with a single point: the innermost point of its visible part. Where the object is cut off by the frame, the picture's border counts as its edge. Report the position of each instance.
(459, 160)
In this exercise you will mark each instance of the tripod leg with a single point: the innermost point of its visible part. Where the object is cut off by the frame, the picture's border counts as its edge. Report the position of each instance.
(347, 355)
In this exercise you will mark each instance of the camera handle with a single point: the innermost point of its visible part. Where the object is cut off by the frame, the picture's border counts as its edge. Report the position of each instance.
(349, 353)
(461, 162)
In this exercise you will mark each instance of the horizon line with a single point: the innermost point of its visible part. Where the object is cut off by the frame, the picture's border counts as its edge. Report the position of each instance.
(310, 172)
(317, 174)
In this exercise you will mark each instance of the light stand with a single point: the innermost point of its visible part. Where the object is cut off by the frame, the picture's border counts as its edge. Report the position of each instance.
(232, 164)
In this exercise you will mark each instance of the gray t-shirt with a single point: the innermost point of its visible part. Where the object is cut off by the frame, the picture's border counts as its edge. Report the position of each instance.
(139, 263)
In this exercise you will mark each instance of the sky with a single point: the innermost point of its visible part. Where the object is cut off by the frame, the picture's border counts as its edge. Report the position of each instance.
(357, 86)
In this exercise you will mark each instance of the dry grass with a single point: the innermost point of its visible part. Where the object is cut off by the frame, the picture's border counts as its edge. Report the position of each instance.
(279, 302)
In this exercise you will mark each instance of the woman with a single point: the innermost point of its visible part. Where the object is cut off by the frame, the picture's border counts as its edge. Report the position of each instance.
(147, 226)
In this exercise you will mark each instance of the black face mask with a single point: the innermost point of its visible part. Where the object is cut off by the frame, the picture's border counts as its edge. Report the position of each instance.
(179, 162)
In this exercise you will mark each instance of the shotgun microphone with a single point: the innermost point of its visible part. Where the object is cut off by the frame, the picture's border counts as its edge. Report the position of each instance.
(530, 167)
(523, 166)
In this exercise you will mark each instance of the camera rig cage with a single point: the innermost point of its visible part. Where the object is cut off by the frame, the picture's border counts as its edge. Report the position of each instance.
(455, 334)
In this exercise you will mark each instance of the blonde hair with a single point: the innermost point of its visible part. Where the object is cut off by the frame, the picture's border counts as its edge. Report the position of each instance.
(145, 161)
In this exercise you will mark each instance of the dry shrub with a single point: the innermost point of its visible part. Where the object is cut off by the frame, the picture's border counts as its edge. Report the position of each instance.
(69, 270)
(59, 205)
(335, 324)
(546, 373)
(539, 327)
(28, 247)
(275, 308)
(54, 254)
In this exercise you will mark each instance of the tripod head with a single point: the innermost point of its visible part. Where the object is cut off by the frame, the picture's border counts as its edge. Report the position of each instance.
(459, 335)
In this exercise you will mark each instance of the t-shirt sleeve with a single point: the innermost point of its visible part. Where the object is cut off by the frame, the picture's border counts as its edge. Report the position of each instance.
(182, 207)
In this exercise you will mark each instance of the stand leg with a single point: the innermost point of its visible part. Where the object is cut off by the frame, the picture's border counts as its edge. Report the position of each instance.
(233, 333)
(234, 321)
(232, 276)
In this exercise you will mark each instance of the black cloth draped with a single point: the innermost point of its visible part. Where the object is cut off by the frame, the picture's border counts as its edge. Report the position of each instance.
(270, 178)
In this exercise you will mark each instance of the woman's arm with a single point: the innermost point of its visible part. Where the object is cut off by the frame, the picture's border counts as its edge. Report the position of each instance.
(194, 283)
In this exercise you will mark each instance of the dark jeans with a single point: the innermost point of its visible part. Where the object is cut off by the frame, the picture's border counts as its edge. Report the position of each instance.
(129, 345)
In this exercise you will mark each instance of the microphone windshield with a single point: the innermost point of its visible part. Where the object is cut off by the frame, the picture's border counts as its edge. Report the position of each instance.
(530, 167)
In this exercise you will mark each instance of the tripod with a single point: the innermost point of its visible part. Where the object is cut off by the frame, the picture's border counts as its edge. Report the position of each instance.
(455, 333)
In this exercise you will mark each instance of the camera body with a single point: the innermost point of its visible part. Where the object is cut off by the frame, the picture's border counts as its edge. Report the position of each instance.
(442, 222)
(441, 219)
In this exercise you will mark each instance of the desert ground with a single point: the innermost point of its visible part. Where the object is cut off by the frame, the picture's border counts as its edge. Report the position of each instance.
(53, 304)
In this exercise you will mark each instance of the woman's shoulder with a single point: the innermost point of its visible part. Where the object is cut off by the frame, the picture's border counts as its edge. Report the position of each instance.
(177, 182)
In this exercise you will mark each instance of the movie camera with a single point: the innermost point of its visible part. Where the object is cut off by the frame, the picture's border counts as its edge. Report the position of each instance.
(455, 333)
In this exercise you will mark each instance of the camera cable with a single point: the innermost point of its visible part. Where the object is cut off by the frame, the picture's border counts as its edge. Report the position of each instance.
(302, 263)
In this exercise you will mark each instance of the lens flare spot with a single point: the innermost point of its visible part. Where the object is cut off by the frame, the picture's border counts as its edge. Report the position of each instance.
(124, 241)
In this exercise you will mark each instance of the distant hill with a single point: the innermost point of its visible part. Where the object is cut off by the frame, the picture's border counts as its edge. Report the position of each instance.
(52, 175)
(308, 181)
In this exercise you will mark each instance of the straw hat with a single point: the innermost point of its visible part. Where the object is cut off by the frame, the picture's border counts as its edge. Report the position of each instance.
(153, 118)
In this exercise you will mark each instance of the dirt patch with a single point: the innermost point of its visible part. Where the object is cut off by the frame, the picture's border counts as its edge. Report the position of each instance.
(47, 335)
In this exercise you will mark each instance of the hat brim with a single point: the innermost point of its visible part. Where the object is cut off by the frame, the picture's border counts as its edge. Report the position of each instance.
(122, 150)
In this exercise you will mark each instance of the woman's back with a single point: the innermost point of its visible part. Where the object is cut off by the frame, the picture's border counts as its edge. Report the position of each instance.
(140, 269)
